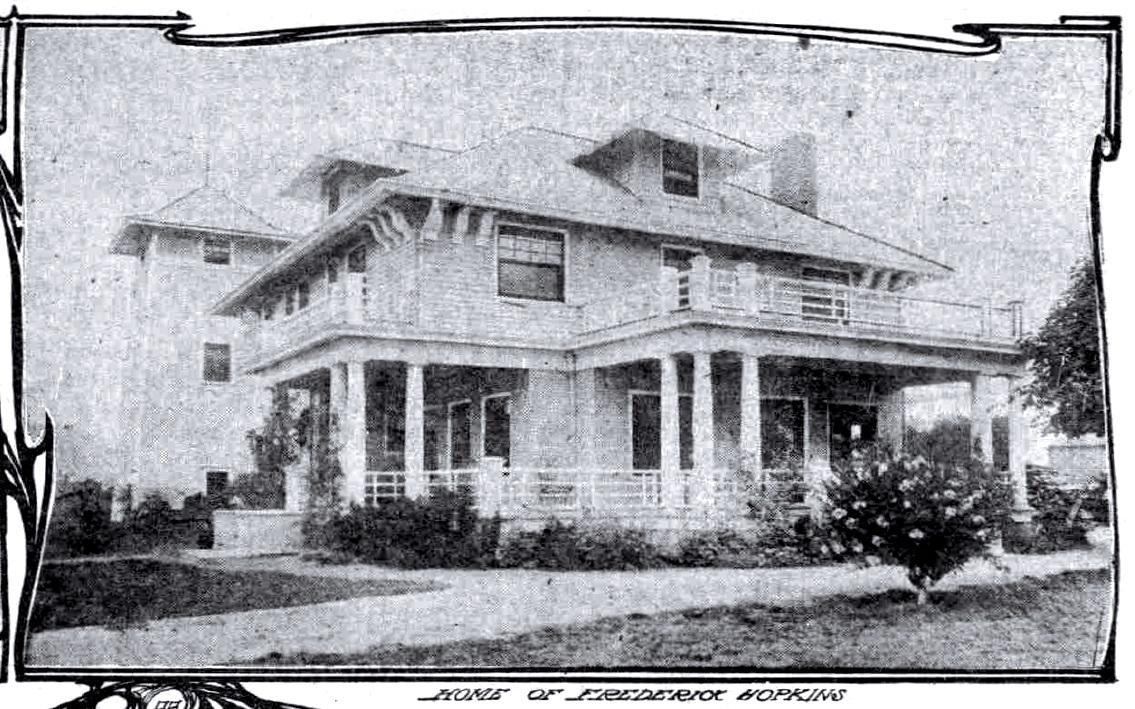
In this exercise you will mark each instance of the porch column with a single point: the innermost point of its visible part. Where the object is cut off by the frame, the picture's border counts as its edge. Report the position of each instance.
(892, 419)
(585, 418)
(414, 454)
(751, 416)
(353, 425)
(1018, 451)
(703, 426)
(672, 494)
(981, 415)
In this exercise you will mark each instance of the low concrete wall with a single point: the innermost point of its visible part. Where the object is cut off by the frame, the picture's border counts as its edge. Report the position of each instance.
(1079, 462)
(257, 531)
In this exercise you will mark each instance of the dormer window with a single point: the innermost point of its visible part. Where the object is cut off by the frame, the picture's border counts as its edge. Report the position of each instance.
(679, 168)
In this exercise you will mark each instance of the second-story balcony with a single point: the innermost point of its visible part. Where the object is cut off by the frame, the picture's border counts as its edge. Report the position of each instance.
(736, 294)
(791, 303)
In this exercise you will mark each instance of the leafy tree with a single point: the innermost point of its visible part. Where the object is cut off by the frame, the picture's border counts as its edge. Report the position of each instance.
(274, 447)
(1065, 359)
(949, 440)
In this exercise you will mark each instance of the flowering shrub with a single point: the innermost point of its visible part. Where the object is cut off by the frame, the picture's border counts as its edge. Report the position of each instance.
(928, 518)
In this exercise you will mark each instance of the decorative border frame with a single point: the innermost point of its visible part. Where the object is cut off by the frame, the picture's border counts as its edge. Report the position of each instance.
(27, 483)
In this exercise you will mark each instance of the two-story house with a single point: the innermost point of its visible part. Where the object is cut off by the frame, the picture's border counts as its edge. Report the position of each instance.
(656, 326)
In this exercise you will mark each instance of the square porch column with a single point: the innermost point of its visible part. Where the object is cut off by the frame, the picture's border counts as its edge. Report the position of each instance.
(751, 416)
(1021, 512)
(981, 415)
(672, 489)
(703, 428)
(415, 451)
(892, 419)
(348, 395)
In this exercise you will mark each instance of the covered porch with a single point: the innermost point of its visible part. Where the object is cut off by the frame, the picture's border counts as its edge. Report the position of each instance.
(692, 433)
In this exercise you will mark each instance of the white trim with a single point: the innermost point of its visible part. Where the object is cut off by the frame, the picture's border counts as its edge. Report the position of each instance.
(449, 430)
(566, 234)
(484, 399)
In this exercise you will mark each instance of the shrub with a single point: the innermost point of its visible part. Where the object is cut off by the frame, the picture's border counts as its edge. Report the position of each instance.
(80, 519)
(1063, 516)
(566, 547)
(442, 530)
(770, 545)
(927, 518)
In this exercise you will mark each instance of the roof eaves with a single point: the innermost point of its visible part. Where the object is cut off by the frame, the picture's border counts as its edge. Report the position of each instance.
(300, 248)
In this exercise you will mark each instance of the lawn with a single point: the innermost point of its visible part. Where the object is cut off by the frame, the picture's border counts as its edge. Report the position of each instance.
(1057, 623)
(131, 591)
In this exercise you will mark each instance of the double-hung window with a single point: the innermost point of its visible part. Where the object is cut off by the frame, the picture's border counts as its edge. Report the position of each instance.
(680, 168)
(530, 262)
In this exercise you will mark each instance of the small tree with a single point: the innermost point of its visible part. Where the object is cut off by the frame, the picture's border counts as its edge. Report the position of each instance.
(274, 447)
(324, 495)
(1065, 359)
(928, 518)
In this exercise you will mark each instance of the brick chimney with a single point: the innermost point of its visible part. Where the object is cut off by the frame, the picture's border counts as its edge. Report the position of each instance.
(793, 173)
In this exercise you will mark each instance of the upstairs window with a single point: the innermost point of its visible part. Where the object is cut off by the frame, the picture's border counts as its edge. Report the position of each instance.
(530, 263)
(303, 294)
(679, 168)
(218, 250)
(218, 362)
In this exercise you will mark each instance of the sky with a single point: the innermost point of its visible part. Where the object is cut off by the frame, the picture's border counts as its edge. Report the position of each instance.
(978, 162)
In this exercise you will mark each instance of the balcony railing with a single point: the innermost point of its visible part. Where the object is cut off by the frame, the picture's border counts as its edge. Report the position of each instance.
(343, 303)
(797, 302)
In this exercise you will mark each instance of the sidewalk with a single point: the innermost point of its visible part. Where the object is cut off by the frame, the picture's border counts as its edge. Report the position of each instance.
(477, 605)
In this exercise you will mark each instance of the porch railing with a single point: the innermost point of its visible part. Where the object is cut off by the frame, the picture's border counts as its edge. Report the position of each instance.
(741, 290)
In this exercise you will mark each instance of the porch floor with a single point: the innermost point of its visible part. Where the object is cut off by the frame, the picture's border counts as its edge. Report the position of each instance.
(479, 605)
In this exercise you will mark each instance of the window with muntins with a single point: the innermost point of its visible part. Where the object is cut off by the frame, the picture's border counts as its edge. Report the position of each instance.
(530, 263)
(218, 362)
(680, 168)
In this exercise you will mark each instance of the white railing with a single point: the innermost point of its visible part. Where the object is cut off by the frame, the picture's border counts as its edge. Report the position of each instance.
(344, 302)
(790, 301)
(574, 489)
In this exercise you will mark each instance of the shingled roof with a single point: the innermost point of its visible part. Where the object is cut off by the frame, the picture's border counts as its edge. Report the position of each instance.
(531, 170)
(204, 209)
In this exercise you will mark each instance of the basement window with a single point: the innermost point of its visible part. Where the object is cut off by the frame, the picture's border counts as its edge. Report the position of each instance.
(680, 168)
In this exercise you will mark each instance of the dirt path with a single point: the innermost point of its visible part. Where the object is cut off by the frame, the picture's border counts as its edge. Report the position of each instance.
(475, 604)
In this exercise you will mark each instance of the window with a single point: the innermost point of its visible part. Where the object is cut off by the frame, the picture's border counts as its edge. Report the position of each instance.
(218, 250)
(679, 168)
(333, 266)
(530, 263)
(217, 488)
(289, 302)
(218, 362)
(303, 294)
(460, 435)
(497, 422)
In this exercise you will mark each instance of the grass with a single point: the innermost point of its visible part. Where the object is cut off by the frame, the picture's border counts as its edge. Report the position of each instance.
(1055, 623)
(132, 591)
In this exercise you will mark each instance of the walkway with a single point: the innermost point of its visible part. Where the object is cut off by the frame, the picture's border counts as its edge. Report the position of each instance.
(476, 604)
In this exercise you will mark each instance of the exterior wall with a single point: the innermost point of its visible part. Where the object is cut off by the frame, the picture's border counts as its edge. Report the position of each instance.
(474, 385)
(543, 421)
(180, 426)
(1079, 462)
